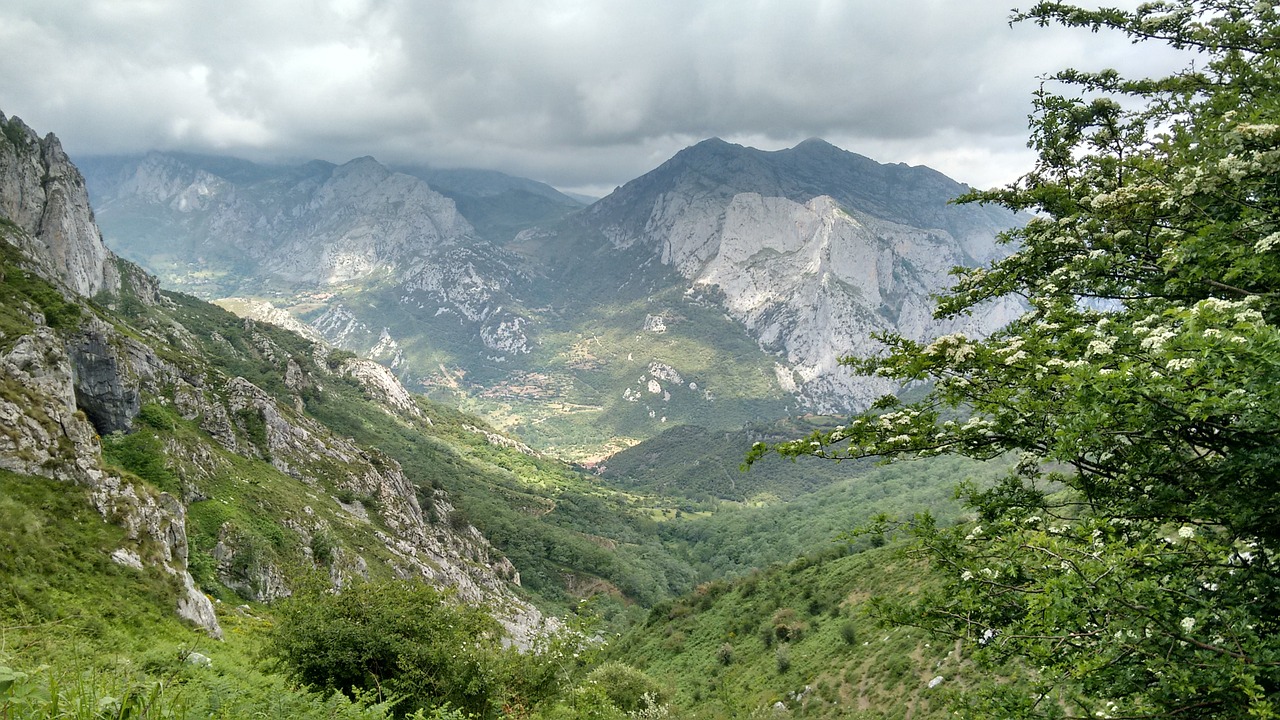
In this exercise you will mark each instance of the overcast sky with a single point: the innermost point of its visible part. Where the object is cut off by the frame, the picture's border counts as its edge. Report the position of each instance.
(582, 94)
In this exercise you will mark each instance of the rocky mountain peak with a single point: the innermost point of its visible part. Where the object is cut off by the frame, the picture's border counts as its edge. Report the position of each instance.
(812, 248)
(44, 194)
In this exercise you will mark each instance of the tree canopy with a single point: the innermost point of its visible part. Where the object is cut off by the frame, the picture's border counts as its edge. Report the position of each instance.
(1127, 566)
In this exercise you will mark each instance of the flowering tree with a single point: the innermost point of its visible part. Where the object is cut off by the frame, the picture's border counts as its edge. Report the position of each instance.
(1127, 566)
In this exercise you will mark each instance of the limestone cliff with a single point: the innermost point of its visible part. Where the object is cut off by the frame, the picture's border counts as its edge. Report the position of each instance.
(808, 252)
(318, 229)
(813, 249)
(44, 195)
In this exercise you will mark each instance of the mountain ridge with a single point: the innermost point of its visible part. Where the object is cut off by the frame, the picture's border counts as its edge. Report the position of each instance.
(221, 482)
(807, 251)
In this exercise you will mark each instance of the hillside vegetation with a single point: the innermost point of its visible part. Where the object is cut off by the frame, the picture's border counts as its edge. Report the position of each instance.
(798, 639)
(280, 469)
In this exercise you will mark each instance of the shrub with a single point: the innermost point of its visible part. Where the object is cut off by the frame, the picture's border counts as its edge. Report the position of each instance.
(725, 654)
(787, 625)
(398, 640)
(782, 656)
(627, 688)
(322, 547)
(848, 633)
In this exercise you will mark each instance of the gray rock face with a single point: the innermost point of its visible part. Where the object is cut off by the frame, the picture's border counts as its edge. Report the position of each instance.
(315, 225)
(318, 228)
(46, 436)
(45, 196)
(101, 391)
(814, 250)
(814, 283)
(382, 383)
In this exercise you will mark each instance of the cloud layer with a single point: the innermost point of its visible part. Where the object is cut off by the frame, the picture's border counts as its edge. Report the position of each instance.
(581, 94)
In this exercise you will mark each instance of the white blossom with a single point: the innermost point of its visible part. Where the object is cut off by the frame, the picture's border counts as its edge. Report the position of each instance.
(1099, 347)
(1266, 243)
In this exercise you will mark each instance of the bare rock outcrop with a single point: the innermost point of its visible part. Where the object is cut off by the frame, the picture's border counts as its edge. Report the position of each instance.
(813, 250)
(102, 391)
(44, 194)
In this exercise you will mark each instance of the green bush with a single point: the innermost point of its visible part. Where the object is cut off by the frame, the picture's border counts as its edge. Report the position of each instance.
(848, 633)
(627, 688)
(400, 641)
(725, 654)
(322, 547)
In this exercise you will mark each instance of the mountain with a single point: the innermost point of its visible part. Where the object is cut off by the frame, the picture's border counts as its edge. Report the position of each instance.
(43, 196)
(498, 205)
(811, 250)
(239, 457)
(189, 427)
(717, 290)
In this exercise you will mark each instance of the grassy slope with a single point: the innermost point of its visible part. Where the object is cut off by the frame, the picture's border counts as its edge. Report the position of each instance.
(799, 635)
(736, 538)
(91, 638)
(704, 465)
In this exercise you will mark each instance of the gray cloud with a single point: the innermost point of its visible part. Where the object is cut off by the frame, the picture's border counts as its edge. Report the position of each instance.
(580, 94)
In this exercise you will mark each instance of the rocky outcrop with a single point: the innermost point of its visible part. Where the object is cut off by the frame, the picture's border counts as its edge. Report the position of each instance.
(64, 388)
(382, 383)
(318, 228)
(815, 283)
(43, 193)
(317, 225)
(46, 434)
(813, 250)
(101, 389)
(264, 311)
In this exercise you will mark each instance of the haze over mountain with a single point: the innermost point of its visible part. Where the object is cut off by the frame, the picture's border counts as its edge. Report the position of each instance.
(721, 287)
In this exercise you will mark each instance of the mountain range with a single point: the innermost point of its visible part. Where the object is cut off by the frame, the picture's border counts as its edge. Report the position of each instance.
(719, 289)
(170, 472)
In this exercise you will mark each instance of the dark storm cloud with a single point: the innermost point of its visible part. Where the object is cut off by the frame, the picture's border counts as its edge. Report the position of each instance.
(580, 94)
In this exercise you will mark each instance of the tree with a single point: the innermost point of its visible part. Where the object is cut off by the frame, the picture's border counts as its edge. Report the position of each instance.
(1128, 565)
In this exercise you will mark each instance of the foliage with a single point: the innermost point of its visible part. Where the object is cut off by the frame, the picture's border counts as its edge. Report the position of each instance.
(627, 688)
(142, 452)
(551, 522)
(404, 642)
(14, 133)
(56, 570)
(1144, 378)
(733, 539)
(85, 637)
(23, 292)
(682, 644)
(705, 465)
